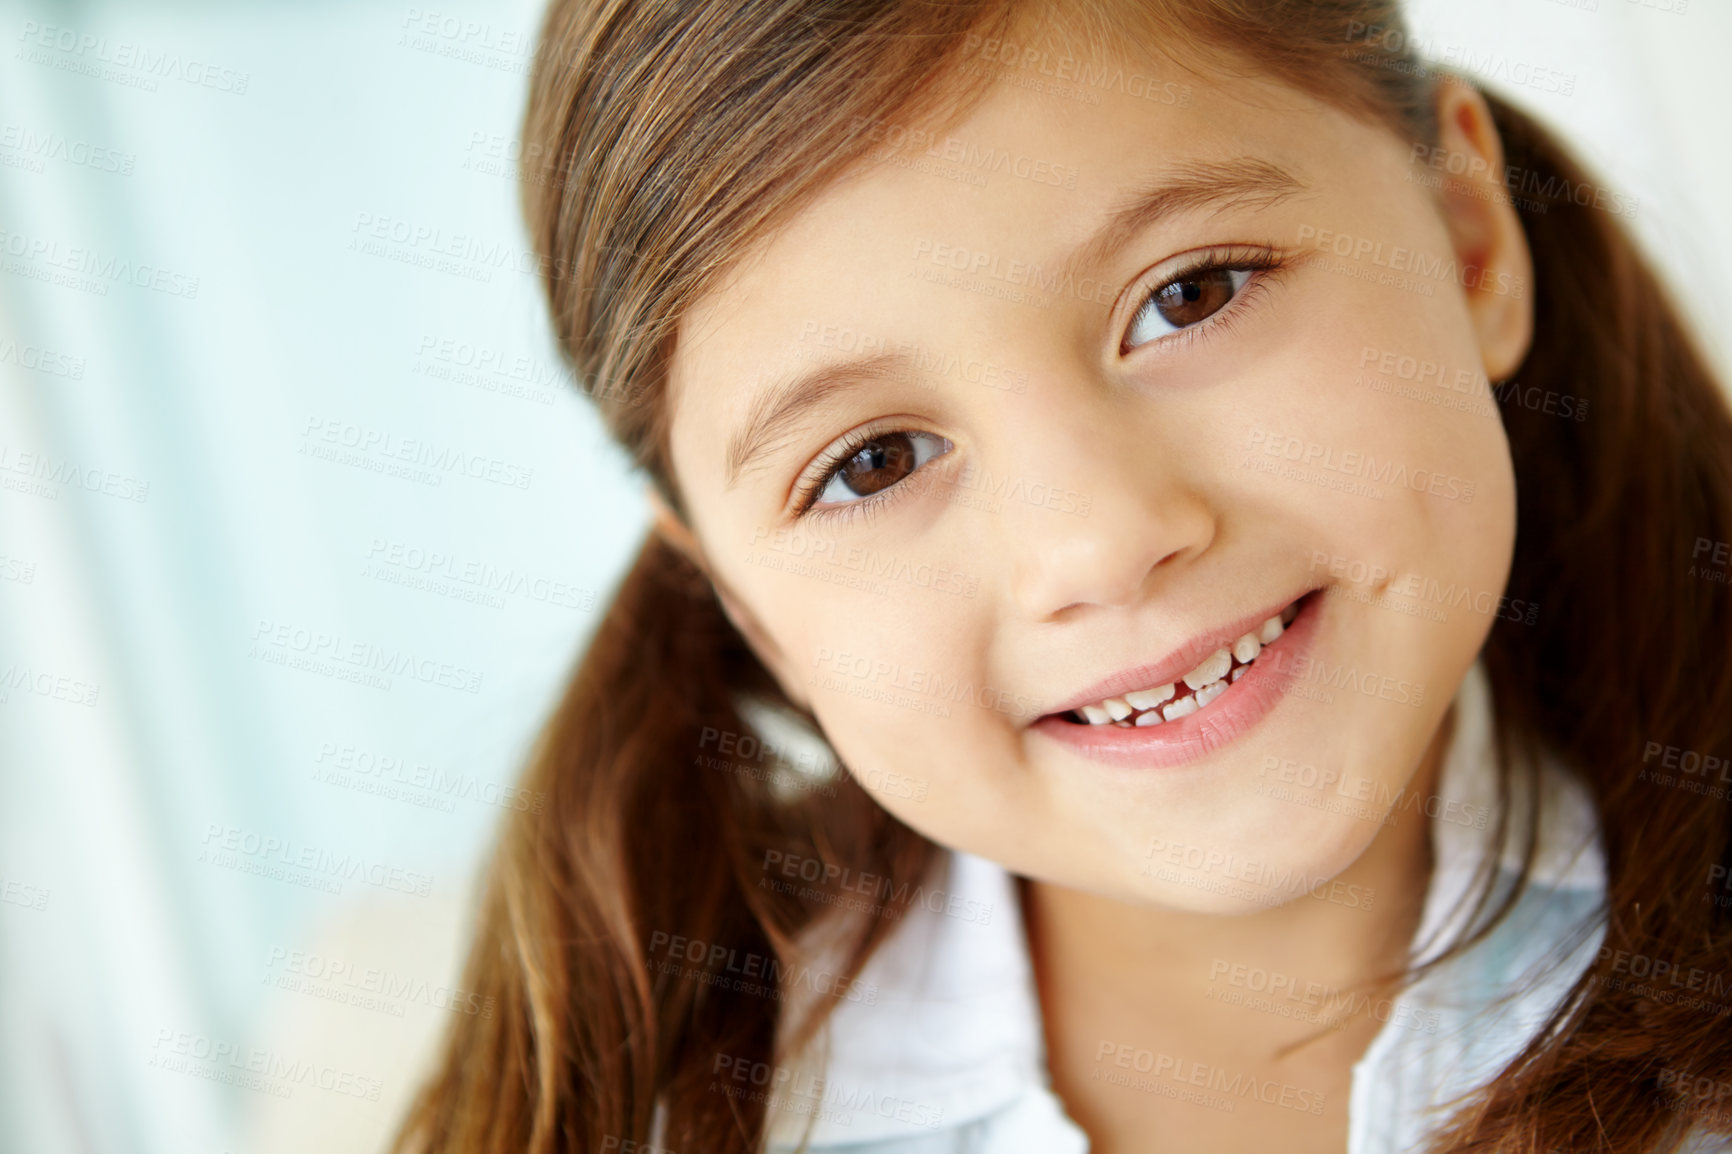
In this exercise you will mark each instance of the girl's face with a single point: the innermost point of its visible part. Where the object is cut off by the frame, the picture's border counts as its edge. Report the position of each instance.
(1033, 416)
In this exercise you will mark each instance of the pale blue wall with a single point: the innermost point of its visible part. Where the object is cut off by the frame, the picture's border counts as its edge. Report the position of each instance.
(348, 116)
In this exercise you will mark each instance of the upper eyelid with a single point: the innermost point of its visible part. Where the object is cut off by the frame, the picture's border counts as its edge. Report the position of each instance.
(1195, 260)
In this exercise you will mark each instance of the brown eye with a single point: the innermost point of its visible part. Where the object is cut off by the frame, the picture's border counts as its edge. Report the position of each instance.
(1185, 302)
(1178, 304)
(878, 464)
(874, 465)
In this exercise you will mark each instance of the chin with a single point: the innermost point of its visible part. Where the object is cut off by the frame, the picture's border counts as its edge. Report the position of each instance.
(1251, 871)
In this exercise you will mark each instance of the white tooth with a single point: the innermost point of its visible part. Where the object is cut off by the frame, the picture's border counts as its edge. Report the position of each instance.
(1152, 717)
(1149, 698)
(1117, 707)
(1209, 692)
(1272, 629)
(1096, 715)
(1179, 708)
(1288, 614)
(1237, 673)
(1247, 647)
(1214, 666)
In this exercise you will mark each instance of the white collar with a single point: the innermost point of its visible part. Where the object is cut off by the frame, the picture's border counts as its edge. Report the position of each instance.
(952, 1032)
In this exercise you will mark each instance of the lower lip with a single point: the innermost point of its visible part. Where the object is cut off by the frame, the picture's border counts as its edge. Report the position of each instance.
(1224, 720)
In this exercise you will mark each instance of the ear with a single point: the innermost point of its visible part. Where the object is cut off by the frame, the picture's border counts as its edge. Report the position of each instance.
(665, 523)
(1491, 246)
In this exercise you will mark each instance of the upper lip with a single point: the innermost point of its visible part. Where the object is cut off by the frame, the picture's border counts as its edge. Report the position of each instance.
(1175, 664)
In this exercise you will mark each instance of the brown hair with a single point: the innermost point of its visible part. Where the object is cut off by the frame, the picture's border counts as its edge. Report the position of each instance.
(675, 134)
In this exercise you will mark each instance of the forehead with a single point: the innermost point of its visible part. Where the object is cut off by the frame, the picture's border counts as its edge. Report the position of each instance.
(941, 233)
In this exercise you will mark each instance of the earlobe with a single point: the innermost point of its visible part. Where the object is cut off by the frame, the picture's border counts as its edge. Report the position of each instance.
(1493, 261)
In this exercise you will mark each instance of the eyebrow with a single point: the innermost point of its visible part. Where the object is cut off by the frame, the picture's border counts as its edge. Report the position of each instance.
(1196, 185)
(779, 409)
(1193, 186)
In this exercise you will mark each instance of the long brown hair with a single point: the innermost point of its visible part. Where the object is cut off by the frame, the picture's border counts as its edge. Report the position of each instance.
(674, 134)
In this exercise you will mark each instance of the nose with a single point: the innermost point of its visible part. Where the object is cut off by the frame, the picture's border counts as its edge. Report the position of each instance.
(1118, 522)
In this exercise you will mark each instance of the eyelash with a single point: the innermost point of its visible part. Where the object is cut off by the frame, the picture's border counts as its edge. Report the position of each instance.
(825, 467)
(1259, 260)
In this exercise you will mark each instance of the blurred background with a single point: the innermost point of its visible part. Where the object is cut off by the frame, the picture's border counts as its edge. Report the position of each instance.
(302, 526)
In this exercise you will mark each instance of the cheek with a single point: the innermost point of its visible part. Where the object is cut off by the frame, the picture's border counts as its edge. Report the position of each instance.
(1399, 494)
(1375, 452)
(1376, 432)
(893, 668)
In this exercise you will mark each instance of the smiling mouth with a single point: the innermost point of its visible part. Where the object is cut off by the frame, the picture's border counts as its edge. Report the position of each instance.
(1196, 690)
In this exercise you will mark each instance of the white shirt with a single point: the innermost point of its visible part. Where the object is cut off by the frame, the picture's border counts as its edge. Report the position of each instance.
(948, 1053)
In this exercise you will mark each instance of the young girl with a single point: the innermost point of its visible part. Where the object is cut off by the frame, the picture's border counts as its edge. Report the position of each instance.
(1251, 533)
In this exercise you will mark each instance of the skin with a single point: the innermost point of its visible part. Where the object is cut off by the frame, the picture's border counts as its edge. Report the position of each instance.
(1181, 536)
